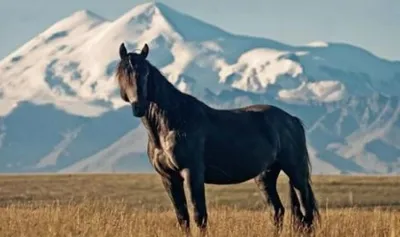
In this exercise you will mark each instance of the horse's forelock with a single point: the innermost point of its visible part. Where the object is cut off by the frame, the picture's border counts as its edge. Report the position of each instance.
(122, 76)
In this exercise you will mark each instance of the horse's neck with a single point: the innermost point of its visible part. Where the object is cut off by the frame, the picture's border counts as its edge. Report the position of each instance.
(162, 92)
(163, 109)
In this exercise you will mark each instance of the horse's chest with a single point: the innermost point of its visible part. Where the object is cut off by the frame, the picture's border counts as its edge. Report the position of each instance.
(164, 157)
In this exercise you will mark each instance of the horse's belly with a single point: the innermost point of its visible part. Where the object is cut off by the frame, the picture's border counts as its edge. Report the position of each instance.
(236, 159)
(224, 175)
(232, 169)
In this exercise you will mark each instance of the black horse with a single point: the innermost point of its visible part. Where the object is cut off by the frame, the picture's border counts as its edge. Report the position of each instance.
(188, 140)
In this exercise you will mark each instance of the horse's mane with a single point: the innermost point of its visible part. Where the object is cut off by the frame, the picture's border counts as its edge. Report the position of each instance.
(122, 77)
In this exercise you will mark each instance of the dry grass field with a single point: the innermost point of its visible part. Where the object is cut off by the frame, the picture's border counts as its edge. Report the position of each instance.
(136, 205)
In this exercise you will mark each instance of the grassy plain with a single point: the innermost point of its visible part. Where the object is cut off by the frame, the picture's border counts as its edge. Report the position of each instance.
(136, 205)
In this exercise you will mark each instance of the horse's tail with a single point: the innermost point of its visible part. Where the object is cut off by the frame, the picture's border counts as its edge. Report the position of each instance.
(306, 163)
(303, 146)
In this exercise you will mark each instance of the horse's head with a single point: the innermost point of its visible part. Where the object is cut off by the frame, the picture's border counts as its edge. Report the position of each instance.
(132, 75)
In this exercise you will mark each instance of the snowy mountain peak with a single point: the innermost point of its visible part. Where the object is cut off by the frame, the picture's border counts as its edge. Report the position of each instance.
(188, 27)
(80, 22)
(153, 21)
(81, 16)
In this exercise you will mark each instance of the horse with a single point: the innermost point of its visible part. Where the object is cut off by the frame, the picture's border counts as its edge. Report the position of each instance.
(189, 141)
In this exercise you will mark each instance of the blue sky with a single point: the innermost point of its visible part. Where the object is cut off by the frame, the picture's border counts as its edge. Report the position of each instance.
(370, 24)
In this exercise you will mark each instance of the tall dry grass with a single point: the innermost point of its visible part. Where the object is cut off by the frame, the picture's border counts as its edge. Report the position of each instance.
(136, 205)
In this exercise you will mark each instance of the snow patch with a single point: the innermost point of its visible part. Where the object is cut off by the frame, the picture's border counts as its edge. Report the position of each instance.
(51, 159)
(105, 160)
(323, 91)
(257, 69)
(6, 106)
(318, 44)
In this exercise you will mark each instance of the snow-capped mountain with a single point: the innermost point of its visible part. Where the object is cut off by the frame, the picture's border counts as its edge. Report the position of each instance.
(60, 109)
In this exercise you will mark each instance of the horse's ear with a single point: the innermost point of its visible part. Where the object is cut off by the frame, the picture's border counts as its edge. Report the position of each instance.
(145, 51)
(122, 51)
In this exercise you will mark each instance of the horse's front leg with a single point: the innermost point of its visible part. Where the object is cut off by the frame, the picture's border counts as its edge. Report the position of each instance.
(174, 187)
(195, 182)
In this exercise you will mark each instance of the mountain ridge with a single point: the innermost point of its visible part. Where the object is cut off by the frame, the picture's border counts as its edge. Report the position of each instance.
(64, 78)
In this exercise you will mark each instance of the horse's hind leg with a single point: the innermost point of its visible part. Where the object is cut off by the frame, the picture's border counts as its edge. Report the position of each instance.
(297, 216)
(302, 184)
(266, 182)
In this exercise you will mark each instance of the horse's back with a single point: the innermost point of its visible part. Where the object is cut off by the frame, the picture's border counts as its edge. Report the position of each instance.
(252, 108)
(258, 108)
(264, 109)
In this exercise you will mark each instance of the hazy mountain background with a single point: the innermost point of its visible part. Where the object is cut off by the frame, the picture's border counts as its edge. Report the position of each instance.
(60, 109)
